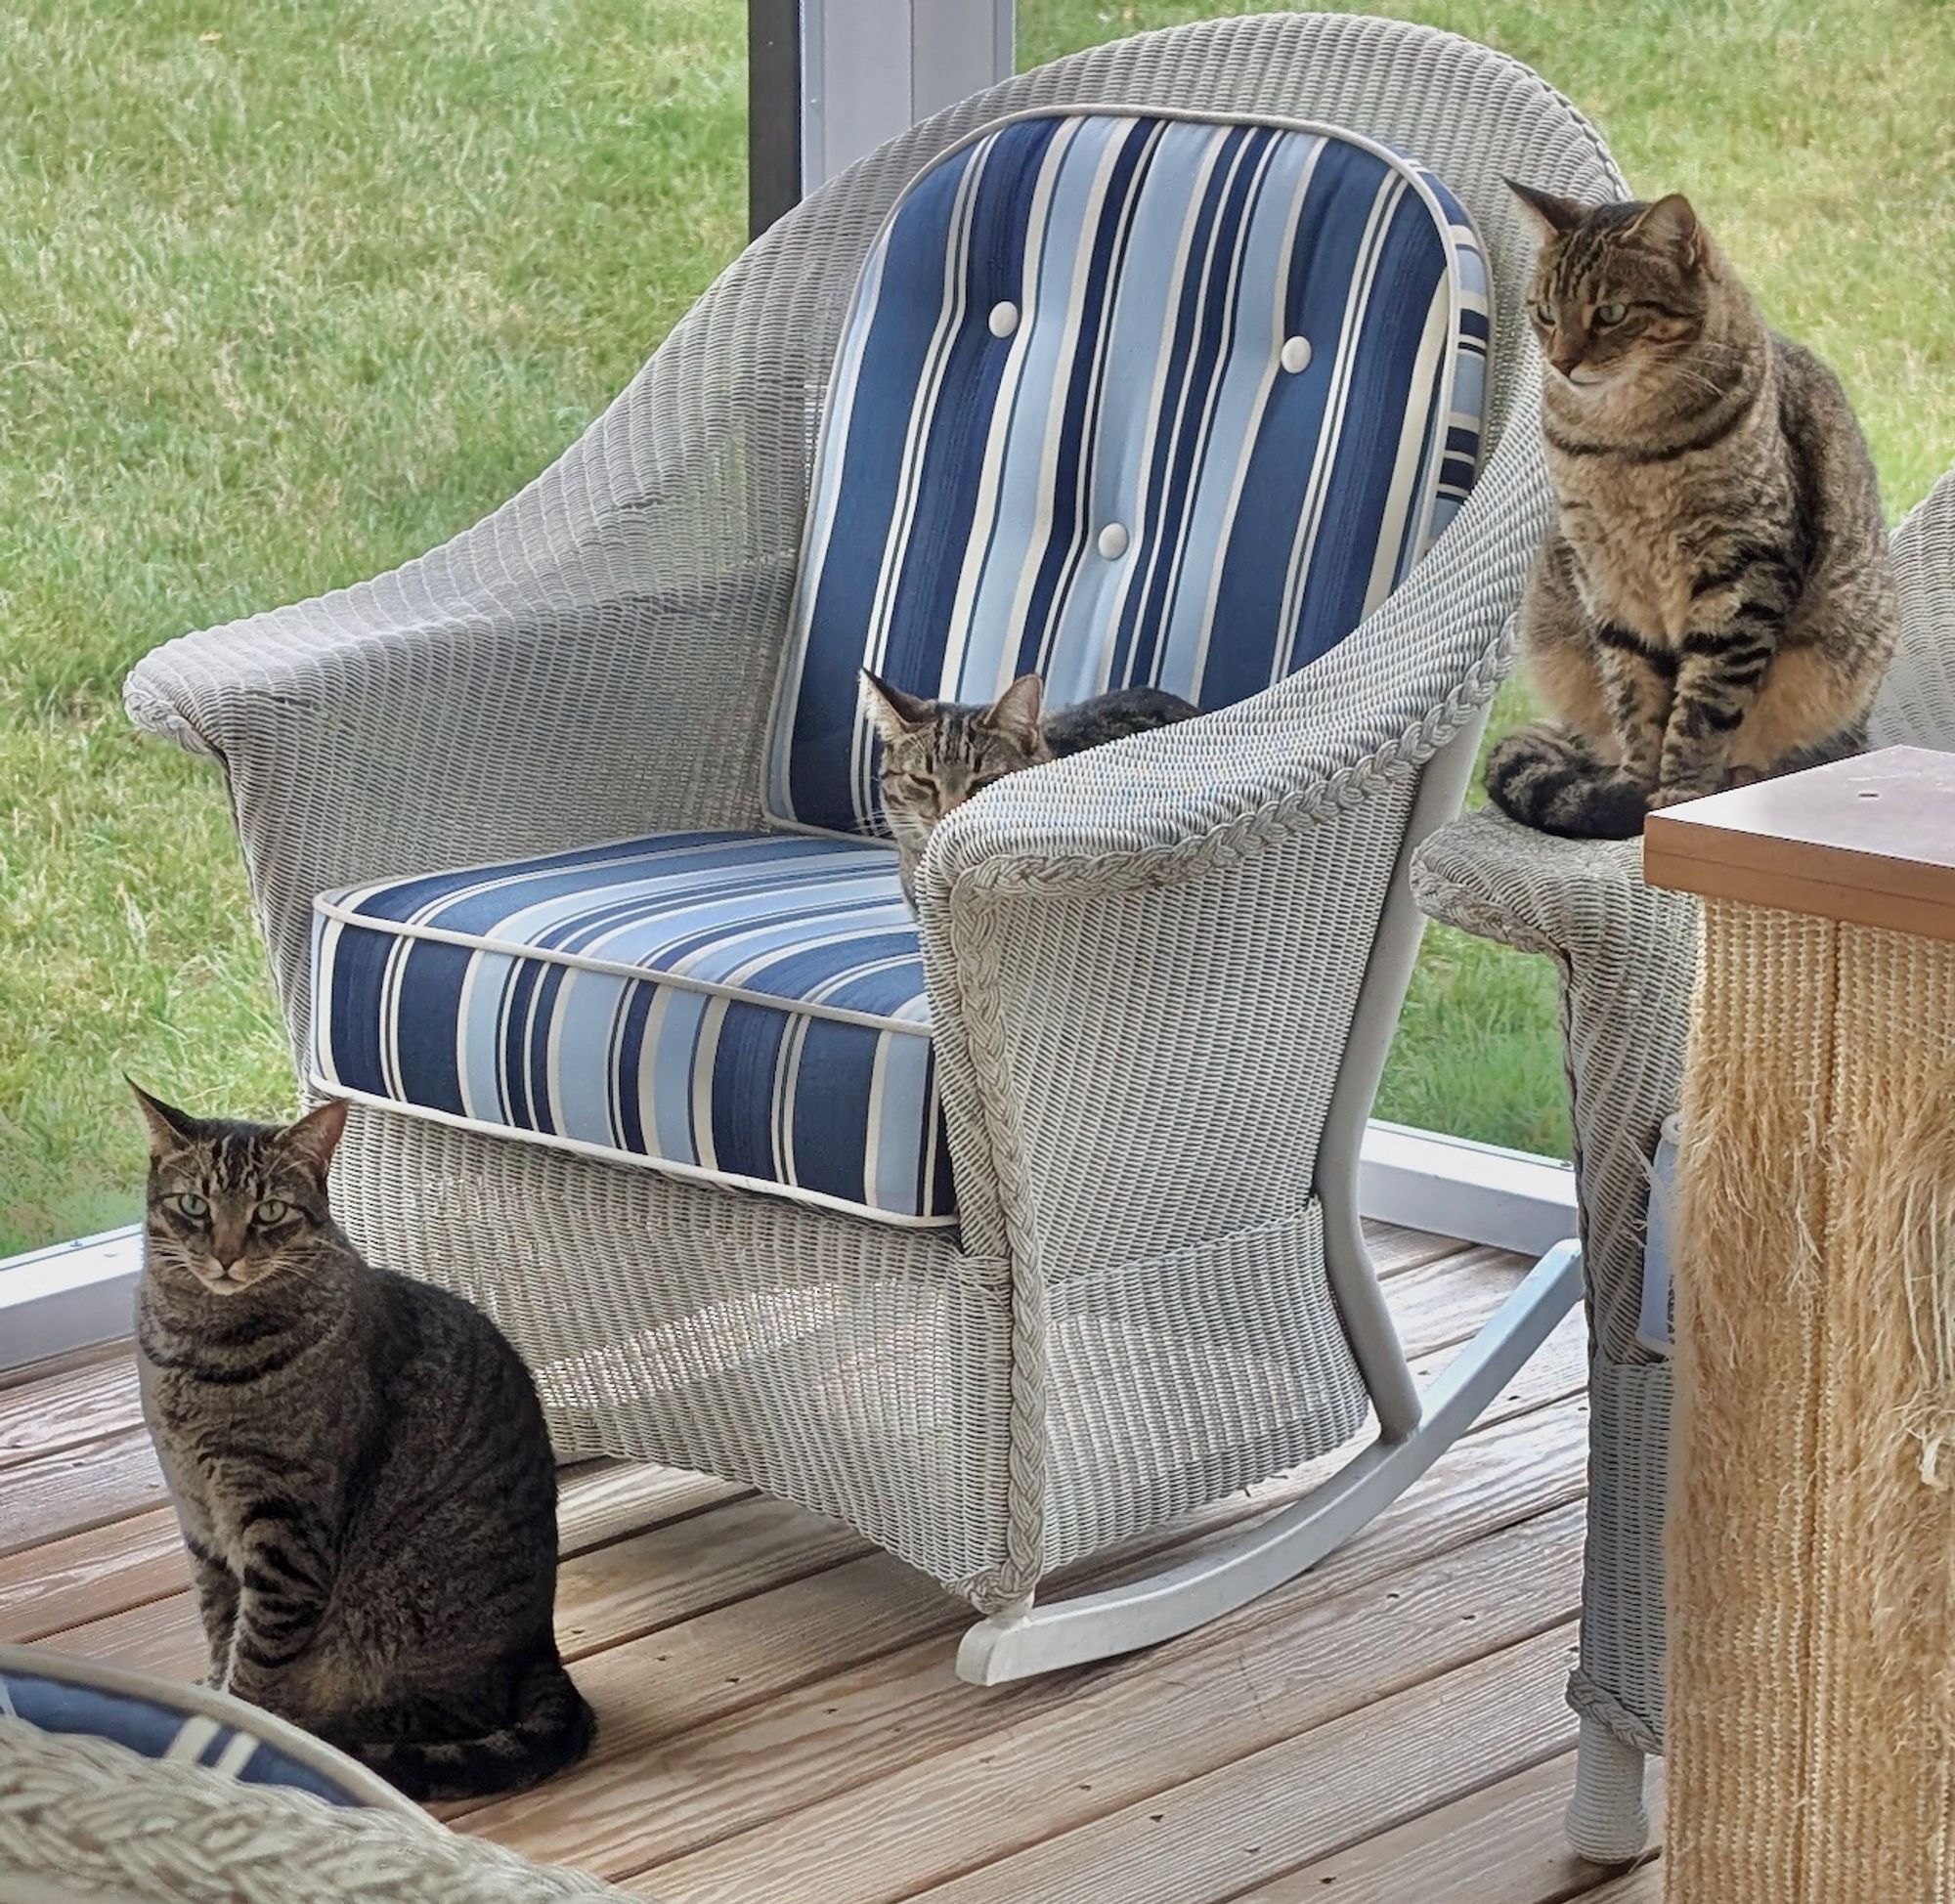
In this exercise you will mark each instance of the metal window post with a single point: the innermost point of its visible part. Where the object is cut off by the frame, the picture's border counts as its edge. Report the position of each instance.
(828, 80)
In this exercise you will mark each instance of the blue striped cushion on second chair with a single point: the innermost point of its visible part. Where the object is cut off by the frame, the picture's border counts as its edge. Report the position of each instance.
(743, 1007)
(1127, 400)
(189, 1725)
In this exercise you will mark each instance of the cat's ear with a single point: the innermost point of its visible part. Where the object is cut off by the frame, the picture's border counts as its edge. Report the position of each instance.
(894, 712)
(1671, 225)
(170, 1129)
(1018, 713)
(316, 1135)
(1554, 213)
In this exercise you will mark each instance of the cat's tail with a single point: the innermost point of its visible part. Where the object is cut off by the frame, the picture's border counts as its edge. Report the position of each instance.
(552, 1729)
(1547, 778)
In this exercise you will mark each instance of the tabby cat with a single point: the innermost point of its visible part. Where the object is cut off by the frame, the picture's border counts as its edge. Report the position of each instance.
(937, 753)
(1714, 602)
(359, 1466)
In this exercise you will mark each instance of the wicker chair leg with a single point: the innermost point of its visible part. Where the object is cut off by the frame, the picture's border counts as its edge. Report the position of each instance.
(1607, 1820)
(1232, 1573)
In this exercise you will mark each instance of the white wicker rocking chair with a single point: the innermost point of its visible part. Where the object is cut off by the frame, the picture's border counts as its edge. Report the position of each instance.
(1627, 956)
(1161, 979)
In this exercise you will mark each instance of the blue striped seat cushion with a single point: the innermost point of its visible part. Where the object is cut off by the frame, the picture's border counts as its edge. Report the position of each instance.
(740, 1006)
(158, 1720)
(1127, 400)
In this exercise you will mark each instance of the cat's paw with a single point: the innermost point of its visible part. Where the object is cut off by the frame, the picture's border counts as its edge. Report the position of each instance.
(1676, 796)
(1556, 782)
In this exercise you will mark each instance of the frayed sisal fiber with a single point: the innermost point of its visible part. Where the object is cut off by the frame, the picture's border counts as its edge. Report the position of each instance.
(1811, 1700)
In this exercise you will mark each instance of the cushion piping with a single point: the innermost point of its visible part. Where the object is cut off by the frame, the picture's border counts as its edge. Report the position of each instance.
(325, 908)
(691, 1173)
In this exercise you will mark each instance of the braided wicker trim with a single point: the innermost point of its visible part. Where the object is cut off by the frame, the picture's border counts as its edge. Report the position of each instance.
(1453, 905)
(1594, 1701)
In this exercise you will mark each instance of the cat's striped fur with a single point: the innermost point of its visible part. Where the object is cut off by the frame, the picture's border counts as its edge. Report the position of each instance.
(938, 754)
(1714, 602)
(360, 1468)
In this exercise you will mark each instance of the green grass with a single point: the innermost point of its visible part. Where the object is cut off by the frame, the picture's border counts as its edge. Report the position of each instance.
(290, 291)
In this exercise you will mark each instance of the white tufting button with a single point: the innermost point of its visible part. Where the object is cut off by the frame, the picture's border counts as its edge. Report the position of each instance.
(1114, 541)
(1295, 353)
(1004, 318)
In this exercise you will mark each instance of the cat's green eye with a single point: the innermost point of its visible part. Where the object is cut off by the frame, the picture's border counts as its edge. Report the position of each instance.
(187, 1203)
(274, 1209)
(1608, 314)
(1543, 315)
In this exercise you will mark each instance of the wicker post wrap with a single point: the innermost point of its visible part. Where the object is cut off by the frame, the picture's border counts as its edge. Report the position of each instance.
(1813, 1532)
(80, 1817)
(1627, 956)
(1142, 977)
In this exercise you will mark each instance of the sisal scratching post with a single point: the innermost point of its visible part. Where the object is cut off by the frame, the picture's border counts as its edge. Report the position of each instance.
(1811, 1565)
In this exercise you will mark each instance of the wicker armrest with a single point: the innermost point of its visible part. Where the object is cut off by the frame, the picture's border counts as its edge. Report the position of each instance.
(369, 733)
(1627, 956)
(1363, 716)
(1197, 903)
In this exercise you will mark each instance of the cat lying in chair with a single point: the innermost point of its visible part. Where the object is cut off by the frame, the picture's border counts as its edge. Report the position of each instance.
(937, 753)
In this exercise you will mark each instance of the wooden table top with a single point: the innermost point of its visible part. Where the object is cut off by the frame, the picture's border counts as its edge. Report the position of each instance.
(1870, 841)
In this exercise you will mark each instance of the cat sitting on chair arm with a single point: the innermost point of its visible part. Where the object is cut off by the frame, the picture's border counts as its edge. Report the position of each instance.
(360, 1468)
(1713, 603)
(937, 753)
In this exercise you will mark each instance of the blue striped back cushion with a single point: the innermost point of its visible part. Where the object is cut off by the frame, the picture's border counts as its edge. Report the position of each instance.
(1127, 400)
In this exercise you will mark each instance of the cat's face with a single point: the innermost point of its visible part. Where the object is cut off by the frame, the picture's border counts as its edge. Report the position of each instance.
(937, 753)
(1620, 293)
(230, 1206)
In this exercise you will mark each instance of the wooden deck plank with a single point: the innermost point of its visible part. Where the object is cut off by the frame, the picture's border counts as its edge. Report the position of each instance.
(602, 1593)
(79, 1579)
(1643, 1885)
(934, 1774)
(669, 1574)
(1500, 1844)
(66, 1410)
(49, 1497)
(881, 1721)
(91, 1576)
(650, 1691)
(602, 1502)
(1433, 1303)
(1396, 1249)
(1202, 1841)
(31, 1375)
